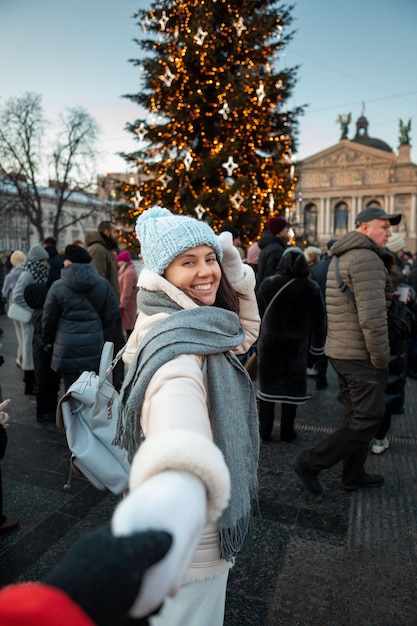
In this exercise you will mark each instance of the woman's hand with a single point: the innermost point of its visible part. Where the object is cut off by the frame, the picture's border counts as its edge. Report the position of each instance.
(231, 262)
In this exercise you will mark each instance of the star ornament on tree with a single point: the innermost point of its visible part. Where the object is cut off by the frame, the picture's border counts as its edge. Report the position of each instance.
(137, 199)
(164, 20)
(188, 160)
(141, 131)
(168, 77)
(200, 36)
(224, 111)
(237, 200)
(240, 26)
(199, 210)
(146, 22)
(165, 179)
(260, 92)
(230, 166)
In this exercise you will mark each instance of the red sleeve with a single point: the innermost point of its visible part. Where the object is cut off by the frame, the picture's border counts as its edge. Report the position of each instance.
(39, 605)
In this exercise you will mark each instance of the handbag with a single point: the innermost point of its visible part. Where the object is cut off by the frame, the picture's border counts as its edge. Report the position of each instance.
(18, 313)
(88, 411)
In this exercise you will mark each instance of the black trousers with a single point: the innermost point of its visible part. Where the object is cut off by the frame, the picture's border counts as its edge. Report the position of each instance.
(362, 394)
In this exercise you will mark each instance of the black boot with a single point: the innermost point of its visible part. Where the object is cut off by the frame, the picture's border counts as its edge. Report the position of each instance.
(29, 379)
(288, 412)
(266, 419)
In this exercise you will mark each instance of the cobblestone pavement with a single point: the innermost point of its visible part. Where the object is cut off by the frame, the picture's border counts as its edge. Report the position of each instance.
(343, 559)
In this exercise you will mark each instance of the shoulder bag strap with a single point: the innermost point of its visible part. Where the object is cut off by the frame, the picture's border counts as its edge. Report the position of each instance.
(342, 285)
(276, 295)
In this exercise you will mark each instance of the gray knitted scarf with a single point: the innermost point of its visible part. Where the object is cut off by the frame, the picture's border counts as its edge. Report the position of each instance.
(211, 332)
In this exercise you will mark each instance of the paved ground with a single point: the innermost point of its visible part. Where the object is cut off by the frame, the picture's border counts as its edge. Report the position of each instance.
(339, 560)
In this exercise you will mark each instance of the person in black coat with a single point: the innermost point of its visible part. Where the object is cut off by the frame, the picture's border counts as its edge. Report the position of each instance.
(399, 331)
(79, 307)
(318, 273)
(272, 244)
(293, 325)
(47, 381)
(55, 261)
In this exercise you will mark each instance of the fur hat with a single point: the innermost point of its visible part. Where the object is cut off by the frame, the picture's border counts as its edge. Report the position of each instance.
(164, 235)
(395, 243)
(76, 254)
(276, 224)
(17, 258)
(124, 256)
(37, 253)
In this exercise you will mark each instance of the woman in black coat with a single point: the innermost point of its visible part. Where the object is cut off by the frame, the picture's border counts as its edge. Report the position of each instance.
(293, 325)
(78, 308)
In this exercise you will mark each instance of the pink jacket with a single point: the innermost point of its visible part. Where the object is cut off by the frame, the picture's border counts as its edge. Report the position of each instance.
(128, 284)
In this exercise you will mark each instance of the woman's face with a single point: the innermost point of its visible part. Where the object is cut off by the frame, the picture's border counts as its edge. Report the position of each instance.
(197, 273)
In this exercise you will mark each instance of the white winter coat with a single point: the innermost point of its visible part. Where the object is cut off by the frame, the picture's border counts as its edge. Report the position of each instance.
(175, 416)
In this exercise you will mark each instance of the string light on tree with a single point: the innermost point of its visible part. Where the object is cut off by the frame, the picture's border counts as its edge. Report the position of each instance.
(219, 134)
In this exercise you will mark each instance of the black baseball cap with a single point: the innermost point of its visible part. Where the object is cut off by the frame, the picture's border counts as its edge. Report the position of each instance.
(376, 213)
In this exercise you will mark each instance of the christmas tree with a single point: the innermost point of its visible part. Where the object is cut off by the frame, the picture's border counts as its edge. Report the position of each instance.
(218, 140)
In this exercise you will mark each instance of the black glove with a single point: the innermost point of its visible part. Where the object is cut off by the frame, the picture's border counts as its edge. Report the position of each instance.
(103, 573)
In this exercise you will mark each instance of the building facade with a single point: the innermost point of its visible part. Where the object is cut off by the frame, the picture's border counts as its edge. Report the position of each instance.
(335, 184)
(81, 213)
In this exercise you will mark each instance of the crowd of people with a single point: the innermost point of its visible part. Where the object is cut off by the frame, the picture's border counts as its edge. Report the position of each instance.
(201, 308)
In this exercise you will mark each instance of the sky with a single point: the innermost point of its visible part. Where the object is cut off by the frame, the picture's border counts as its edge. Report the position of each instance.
(354, 56)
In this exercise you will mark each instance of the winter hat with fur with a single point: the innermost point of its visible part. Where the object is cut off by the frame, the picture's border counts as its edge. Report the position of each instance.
(164, 235)
(17, 258)
(395, 243)
(37, 253)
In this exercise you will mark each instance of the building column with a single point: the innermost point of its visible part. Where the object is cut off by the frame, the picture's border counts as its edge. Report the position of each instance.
(328, 224)
(413, 215)
(321, 226)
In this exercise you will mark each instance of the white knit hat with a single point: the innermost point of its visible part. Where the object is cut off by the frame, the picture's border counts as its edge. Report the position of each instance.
(17, 258)
(395, 243)
(164, 235)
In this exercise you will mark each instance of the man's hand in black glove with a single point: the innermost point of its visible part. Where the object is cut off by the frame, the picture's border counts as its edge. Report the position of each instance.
(103, 573)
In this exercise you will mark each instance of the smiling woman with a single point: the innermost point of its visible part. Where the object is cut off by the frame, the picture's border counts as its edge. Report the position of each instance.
(197, 273)
(198, 460)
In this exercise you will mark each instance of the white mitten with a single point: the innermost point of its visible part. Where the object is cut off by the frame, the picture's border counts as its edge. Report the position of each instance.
(171, 501)
(231, 262)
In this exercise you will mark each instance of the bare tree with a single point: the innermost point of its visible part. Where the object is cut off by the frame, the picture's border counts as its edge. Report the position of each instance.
(25, 157)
